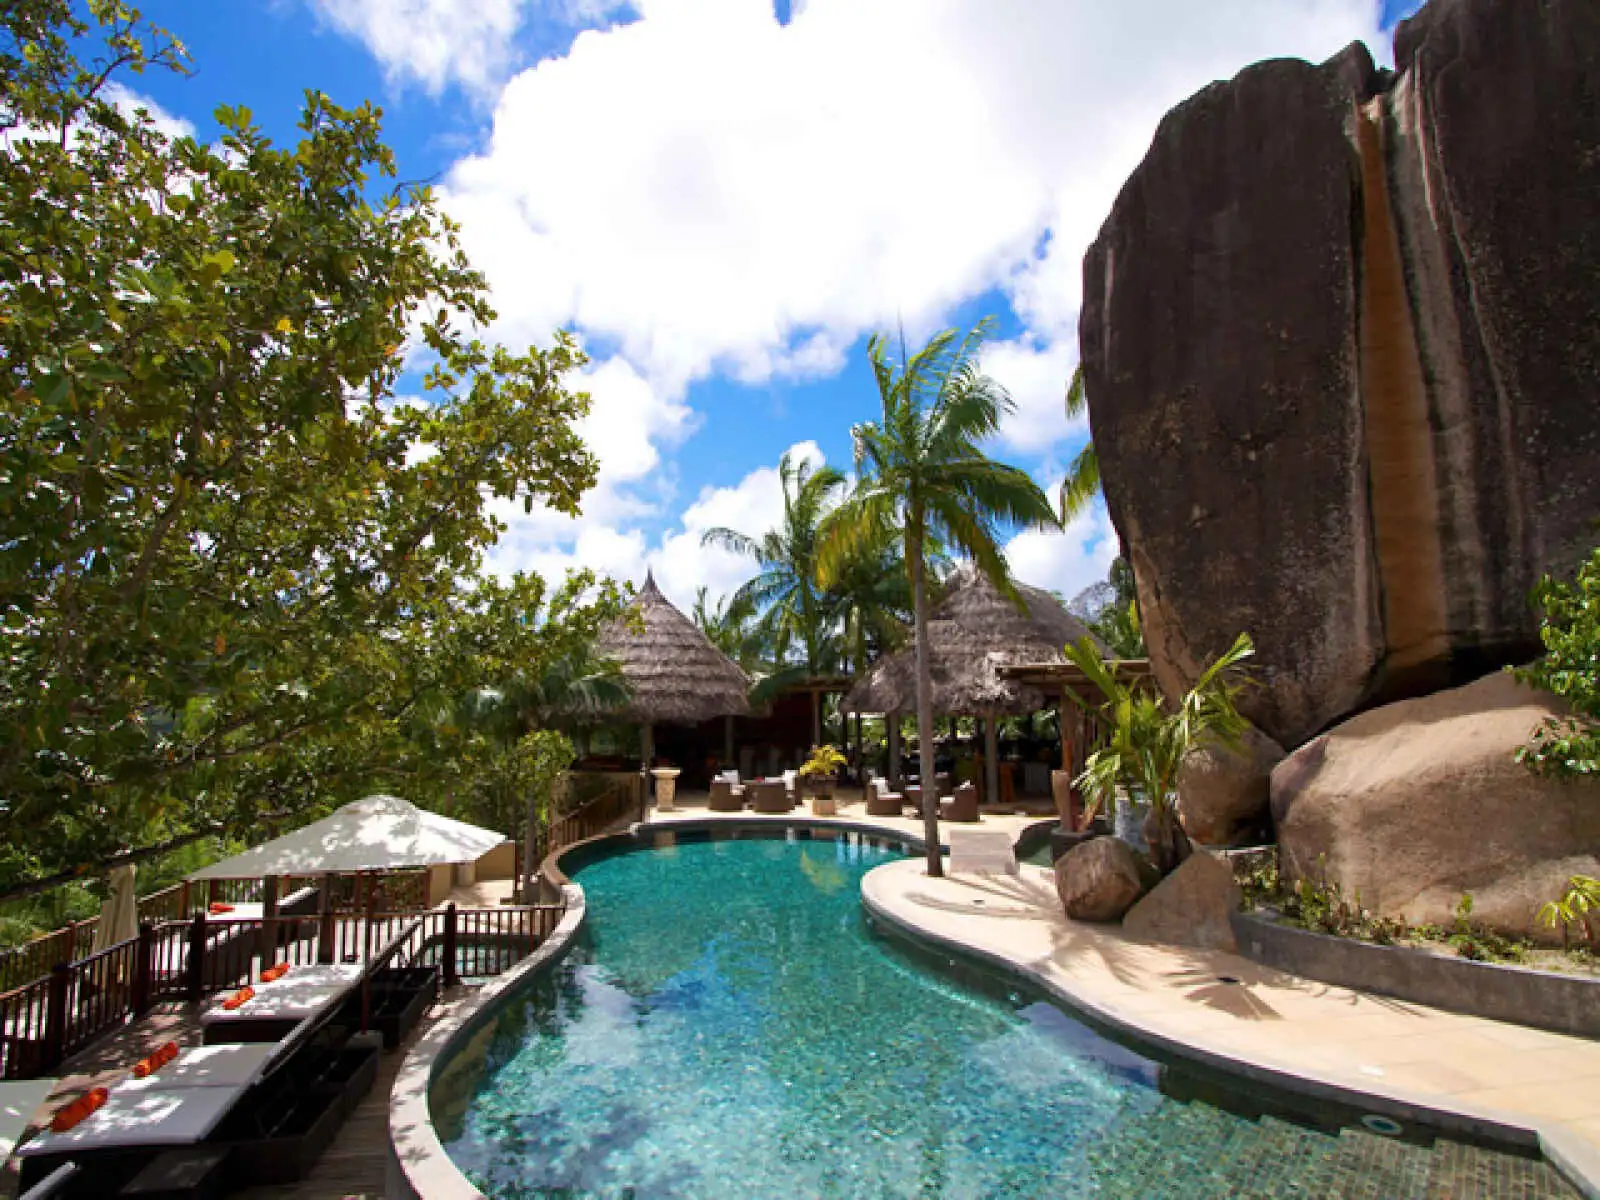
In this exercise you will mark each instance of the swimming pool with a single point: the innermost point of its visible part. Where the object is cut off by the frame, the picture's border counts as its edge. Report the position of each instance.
(728, 1025)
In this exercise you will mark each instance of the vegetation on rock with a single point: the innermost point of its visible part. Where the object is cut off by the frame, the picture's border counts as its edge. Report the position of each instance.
(1568, 746)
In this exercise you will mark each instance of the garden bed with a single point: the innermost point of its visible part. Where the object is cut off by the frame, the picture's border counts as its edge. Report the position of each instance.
(1564, 1003)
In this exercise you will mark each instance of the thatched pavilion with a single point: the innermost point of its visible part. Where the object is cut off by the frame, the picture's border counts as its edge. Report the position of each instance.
(973, 633)
(674, 672)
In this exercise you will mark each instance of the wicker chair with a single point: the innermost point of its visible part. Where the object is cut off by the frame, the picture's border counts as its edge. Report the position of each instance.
(881, 802)
(963, 806)
(768, 796)
(726, 796)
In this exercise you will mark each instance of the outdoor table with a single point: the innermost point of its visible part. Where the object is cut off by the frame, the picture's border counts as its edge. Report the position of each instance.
(19, 1100)
(231, 1064)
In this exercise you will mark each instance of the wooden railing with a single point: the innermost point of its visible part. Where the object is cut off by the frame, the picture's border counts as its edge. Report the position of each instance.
(49, 1019)
(589, 819)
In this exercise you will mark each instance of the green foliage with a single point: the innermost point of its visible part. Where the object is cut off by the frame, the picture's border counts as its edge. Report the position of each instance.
(1118, 625)
(235, 564)
(1568, 746)
(785, 597)
(524, 769)
(825, 762)
(1147, 739)
(1082, 482)
(921, 470)
(1575, 909)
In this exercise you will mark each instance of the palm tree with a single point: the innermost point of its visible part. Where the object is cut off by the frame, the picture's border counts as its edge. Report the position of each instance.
(785, 590)
(729, 628)
(920, 469)
(1082, 483)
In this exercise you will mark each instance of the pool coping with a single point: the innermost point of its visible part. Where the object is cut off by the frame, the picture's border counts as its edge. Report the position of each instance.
(1576, 1159)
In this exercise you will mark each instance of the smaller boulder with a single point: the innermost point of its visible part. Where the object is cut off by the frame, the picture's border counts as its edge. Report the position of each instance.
(1223, 792)
(1190, 907)
(1100, 879)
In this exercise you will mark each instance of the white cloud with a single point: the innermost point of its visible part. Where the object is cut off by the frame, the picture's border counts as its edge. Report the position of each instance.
(716, 190)
(1036, 376)
(130, 102)
(432, 42)
(1069, 560)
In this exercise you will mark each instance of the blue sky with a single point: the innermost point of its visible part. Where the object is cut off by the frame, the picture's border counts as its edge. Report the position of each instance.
(724, 198)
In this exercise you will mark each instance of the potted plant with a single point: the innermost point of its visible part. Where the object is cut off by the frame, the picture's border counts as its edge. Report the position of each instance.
(818, 775)
(1148, 739)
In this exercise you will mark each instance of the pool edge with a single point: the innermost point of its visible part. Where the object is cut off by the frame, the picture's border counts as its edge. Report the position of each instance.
(1574, 1158)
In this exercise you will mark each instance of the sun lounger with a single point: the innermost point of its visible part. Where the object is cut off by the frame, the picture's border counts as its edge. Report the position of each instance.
(305, 993)
(981, 852)
(232, 1064)
(19, 1101)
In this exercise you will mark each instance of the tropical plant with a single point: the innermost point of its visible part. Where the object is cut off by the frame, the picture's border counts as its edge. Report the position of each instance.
(1117, 623)
(784, 592)
(1577, 909)
(825, 763)
(1568, 746)
(1148, 739)
(228, 580)
(731, 628)
(921, 469)
(1082, 482)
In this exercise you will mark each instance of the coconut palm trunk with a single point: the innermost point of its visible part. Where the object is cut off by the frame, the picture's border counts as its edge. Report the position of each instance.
(930, 788)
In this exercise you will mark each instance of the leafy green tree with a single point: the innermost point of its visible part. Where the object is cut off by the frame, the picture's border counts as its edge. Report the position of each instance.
(1147, 739)
(1568, 746)
(921, 469)
(731, 627)
(228, 576)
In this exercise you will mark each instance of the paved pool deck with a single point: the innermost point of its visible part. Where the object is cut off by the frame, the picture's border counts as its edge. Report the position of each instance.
(1408, 1060)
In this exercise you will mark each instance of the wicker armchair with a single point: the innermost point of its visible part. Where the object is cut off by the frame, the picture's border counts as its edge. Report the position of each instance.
(881, 802)
(768, 796)
(963, 806)
(726, 796)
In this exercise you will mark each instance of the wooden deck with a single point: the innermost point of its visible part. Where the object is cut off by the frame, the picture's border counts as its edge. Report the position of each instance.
(352, 1168)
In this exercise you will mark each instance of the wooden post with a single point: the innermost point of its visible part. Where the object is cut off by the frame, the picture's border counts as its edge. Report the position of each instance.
(269, 920)
(213, 886)
(892, 720)
(816, 717)
(195, 964)
(991, 758)
(325, 935)
(727, 742)
(647, 752)
(183, 901)
(451, 975)
(55, 1015)
(143, 968)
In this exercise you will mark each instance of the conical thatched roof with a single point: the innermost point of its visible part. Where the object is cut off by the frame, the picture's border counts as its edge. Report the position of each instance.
(971, 632)
(676, 674)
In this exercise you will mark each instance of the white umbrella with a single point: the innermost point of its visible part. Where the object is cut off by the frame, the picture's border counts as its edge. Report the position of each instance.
(119, 915)
(379, 833)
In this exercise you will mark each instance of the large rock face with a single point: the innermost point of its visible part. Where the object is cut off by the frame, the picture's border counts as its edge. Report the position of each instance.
(1190, 907)
(1413, 804)
(1224, 792)
(1342, 363)
(1099, 880)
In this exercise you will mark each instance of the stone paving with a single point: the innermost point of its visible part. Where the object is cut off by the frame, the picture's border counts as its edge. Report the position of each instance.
(1245, 1016)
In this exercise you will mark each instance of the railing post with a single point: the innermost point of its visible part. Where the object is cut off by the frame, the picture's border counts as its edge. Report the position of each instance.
(143, 968)
(55, 1016)
(325, 937)
(451, 975)
(183, 901)
(195, 966)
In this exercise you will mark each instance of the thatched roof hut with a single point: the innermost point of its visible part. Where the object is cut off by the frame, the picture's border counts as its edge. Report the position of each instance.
(675, 673)
(972, 632)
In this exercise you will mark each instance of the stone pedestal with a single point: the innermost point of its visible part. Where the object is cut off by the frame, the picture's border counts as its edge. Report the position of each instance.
(666, 787)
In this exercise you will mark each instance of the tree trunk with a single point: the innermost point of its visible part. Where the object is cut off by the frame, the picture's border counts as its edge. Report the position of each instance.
(930, 789)
(991, 759)
(1169, 844)
(892, 739)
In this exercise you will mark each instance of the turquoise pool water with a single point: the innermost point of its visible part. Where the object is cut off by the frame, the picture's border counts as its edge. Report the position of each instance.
(729, 1026)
